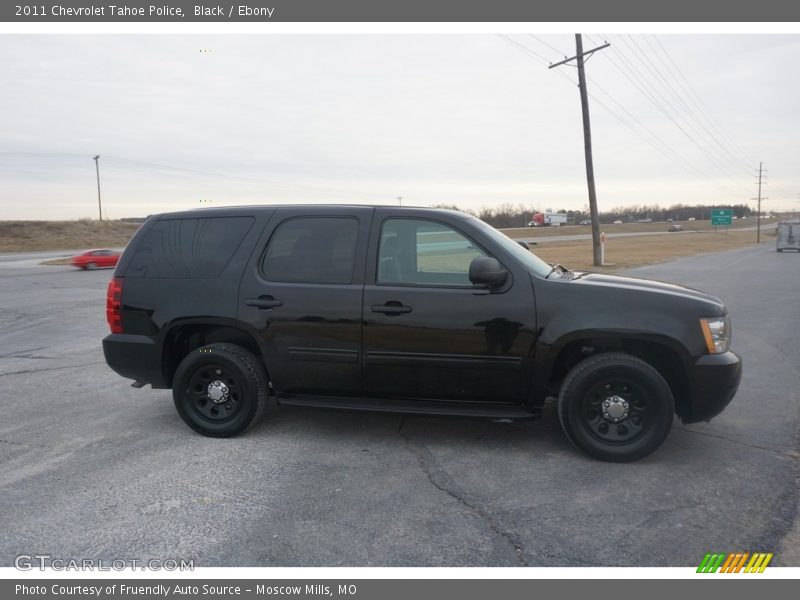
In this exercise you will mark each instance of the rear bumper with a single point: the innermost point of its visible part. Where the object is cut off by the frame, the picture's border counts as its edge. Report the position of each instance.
(713, 381)
(135, 357)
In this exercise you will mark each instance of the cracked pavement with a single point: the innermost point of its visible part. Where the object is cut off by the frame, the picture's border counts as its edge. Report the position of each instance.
(93, 468)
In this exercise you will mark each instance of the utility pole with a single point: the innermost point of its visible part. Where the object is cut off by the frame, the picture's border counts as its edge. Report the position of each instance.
(587, 140)
(758, 216)
(399, 200)
(97, 168)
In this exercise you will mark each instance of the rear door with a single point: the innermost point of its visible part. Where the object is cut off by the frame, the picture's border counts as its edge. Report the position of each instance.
(428, 331)
(302, 291)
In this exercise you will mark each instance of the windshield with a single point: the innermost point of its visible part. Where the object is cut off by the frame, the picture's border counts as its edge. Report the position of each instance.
(532, 262)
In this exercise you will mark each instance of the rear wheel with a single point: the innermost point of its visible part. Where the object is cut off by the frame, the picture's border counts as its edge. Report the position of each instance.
(615, 407)
(220, 389)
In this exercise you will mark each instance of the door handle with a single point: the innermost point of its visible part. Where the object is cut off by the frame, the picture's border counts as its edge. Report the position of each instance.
(263, 302)
(391, 308)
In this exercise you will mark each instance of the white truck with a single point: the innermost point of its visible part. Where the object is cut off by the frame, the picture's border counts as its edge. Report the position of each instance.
(788, 236)
(548, 219)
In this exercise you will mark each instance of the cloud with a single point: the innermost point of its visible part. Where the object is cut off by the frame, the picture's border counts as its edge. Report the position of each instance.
(464, 119)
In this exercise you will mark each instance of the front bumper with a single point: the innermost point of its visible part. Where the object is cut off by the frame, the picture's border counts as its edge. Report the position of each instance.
(135, 357)
(713, 381)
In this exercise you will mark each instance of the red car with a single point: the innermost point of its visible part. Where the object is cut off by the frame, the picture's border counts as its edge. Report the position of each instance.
(92, 259)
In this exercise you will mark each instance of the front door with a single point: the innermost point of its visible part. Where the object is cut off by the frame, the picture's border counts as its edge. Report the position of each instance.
(302, 292)
(428, 331)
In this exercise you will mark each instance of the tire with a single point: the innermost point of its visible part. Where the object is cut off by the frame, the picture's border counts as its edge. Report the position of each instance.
(90, 266)
(640, 401)
(220, 390)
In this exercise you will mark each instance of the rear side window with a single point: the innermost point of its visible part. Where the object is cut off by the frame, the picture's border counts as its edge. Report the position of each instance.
(188, 248)
(312, 250)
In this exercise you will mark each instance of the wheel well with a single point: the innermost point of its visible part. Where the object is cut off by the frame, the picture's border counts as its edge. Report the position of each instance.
(661, 357)
(181, 340)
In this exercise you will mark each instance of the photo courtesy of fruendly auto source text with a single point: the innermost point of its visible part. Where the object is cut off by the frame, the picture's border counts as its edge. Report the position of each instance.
(363, 300)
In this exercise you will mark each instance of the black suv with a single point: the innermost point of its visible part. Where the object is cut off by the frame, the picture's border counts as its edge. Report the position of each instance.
(407, 310)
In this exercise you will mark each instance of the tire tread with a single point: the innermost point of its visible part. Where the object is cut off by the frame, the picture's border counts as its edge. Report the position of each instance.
(253, 370)
(579, 371)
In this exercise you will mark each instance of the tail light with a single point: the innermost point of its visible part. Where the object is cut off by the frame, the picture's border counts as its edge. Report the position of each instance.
(114, 305)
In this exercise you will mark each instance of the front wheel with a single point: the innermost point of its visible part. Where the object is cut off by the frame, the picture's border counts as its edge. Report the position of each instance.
(220, 389)
(615, 407)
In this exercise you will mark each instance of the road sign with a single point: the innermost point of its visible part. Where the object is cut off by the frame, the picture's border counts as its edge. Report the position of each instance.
(721, 216)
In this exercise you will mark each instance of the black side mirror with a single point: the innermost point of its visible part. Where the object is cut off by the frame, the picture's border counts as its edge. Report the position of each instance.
(484, 270)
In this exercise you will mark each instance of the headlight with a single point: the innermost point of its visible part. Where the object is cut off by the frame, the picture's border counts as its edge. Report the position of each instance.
(717, 334)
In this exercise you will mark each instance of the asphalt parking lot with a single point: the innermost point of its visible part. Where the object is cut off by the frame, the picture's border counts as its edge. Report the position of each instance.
(93, 468)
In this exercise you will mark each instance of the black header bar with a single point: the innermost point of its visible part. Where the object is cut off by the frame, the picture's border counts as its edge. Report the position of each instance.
(732, 11)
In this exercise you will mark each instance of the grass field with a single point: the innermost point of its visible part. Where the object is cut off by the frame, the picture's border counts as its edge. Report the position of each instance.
(29, 236)
(627, 252)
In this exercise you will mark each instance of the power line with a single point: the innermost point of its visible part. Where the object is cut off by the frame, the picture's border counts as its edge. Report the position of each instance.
(683, 97)
(522, 48)
(218, 175)
(655, 142)
(663, 104)
(663, 148)
(682, 102)
(633, 75)
(782, 194)
(48, 154)
(697, 100)
(723, 141)
(187, 170)
(553, 48)
(650, 67)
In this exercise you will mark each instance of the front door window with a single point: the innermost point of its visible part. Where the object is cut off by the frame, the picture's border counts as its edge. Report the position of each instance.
(420, 252)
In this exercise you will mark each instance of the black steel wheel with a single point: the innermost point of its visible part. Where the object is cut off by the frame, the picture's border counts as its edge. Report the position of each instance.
(615, 407)
(220, 389)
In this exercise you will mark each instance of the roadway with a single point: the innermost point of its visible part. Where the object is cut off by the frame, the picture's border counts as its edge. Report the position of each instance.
(94, 468)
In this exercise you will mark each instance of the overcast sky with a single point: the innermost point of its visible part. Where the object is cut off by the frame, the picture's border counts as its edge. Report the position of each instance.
(471, 120)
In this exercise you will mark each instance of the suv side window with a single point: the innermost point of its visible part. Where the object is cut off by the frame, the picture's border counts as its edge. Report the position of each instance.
(421, 252)
(188, 248)
(312, 250)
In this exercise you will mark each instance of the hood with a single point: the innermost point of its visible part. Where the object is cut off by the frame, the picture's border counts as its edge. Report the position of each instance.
(645, 285)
